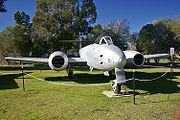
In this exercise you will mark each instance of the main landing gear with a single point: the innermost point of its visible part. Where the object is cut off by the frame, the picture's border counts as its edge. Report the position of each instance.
(70, 72)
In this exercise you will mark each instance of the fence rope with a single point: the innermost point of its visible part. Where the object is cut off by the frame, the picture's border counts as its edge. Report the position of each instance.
(67, 84)
(147, 80)
(141, 80)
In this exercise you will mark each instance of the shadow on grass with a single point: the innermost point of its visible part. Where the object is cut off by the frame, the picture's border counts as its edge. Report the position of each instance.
(83, 78)
(7, 81)
(7, 68)
(163, 85)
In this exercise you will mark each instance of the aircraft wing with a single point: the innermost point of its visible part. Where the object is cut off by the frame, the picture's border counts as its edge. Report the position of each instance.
(42, 60)
(28, 59)
(76, 60)
(155, 56)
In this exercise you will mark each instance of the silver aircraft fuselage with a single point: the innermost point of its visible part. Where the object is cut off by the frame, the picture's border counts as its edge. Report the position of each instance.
(103, 56)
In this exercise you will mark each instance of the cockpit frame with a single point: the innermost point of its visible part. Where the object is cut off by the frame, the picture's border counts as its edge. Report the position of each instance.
(104, 40)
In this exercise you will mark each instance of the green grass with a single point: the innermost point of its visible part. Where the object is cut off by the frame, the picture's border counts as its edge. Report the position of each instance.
(157, 100)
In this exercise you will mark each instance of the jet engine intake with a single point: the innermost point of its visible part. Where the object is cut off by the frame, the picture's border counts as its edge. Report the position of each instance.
(58, 61)
(134, 59)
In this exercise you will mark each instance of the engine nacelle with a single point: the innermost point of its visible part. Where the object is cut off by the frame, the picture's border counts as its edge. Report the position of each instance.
(58, 61)
(134, 58)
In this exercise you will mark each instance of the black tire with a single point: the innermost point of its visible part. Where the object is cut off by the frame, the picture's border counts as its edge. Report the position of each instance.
(116, 88)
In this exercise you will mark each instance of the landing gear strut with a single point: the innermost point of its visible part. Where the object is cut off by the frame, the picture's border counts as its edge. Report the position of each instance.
(70, 72)
(120, 80)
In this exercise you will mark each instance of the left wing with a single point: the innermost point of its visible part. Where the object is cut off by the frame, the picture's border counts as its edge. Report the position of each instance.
(76, 60)
(155, 56)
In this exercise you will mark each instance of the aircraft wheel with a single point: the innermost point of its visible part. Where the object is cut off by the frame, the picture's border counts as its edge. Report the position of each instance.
(116, 88)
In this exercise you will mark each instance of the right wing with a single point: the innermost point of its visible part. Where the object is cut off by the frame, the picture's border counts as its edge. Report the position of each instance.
(54, 63)
(28, 59)
(42, 60)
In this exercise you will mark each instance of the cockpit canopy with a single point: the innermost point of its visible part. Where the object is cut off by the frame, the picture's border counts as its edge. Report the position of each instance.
(103, 40)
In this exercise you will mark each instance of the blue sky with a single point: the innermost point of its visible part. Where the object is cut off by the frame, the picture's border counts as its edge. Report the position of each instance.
(137, 12)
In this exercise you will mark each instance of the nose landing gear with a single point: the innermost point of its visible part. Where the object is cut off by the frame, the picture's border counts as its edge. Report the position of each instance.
(120, 79)
(116, 87)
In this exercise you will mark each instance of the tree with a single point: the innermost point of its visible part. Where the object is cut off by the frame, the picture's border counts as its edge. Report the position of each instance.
(156, 38)
(6, 42)
(2, 6)
(39, 38)
(173, 25)
(145, 43)
(119, 26)
(132, 41)
(87, 16)
(22, 40)
(22, 32)
(22, 19)
(119, 31)
(65, 19)
(97, 30)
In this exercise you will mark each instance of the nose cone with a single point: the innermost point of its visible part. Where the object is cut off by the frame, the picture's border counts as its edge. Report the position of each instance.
(119, 60)
(118, 57)
(113, 57)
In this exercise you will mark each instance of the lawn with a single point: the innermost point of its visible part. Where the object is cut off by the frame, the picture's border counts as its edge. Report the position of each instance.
(81, 98)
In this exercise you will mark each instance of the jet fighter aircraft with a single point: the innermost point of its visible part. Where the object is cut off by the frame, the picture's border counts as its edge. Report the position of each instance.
(102, 55)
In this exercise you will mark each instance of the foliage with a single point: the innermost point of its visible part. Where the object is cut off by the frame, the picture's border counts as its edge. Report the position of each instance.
(22, 40)
(64, 19)
(174, 26)
(97, 30)
(40, 44)
(119, 26)
(156, 38)
(2, 6)
(117, 29)
(7, 42)
(22, 19)
(132, 41)
(145, 36)
(16, 40)
(55, 20)
(22, 31)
